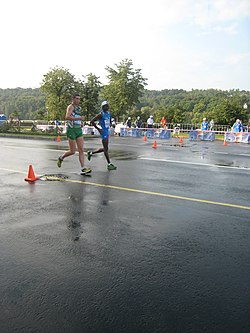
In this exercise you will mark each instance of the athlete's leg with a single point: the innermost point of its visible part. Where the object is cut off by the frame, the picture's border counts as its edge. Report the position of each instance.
(72, 149)
(80, 147)
(105, 143)
(100, 150)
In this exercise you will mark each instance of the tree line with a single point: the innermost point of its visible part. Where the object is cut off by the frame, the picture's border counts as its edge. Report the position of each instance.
(127, 95)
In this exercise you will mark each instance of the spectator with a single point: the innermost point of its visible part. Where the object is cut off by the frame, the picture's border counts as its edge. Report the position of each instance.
(150, 122)
(163, 122)
(237, 126)
(138, 122)
(248, 125)
(129, 122)
(204, 125)
(113, 123)
(211, 125)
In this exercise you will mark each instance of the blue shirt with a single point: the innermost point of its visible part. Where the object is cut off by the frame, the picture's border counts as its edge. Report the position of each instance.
(105, 124)
(204, 126)
(237, 127)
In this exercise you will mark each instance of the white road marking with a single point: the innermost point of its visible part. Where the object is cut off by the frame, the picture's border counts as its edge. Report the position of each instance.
(18, 147)
(193, 163)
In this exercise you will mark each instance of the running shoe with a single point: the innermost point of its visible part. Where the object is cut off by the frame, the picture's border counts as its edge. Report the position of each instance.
(89, 155)
(111, 166)
(59, 162)
(85, 171)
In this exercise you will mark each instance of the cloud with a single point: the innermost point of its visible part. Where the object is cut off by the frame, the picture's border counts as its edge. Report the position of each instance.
(213, 14)
(176, 43)
(231, 29)
(238, 58)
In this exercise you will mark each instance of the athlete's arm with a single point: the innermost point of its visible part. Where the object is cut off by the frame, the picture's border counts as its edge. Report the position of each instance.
(93, 122)
(96, 118)
(69, 111)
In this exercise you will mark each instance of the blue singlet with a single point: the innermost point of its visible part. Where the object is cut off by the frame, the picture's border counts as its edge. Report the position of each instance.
(105, 124)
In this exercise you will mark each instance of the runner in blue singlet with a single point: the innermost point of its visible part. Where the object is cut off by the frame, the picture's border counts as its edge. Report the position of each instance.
(104, 121)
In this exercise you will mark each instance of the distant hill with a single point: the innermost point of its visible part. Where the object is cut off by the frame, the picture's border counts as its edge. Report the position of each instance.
(177, 105)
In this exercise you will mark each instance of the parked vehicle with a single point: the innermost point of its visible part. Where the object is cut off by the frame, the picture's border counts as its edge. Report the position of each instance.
(3, 119)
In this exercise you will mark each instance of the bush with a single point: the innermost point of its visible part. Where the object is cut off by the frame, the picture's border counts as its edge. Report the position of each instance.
(4, 128)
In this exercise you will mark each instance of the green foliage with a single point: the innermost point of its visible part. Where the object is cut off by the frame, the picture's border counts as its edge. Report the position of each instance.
(4, 128)
(22, 102)
(125, 87)
(191, 106)
(59, 85)
(90, 95)
(127, 95)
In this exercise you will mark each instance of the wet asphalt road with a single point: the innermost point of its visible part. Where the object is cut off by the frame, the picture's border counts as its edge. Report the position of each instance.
(114, 252)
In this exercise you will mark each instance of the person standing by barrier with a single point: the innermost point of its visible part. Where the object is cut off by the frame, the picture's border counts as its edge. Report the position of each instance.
(237, 126)
(138, 122)
(104, 120)
(211, 125)
(163, 122)
(204, 125)
(74, 134)
(113, 123)
(129, 122)
(248, 126)
(150, 122)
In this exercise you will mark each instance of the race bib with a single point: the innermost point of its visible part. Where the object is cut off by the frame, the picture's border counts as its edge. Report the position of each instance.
(107, 123)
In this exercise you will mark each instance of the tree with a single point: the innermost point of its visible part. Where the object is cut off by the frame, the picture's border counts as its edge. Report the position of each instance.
(90, 94)
(59, 85)
(125, 87)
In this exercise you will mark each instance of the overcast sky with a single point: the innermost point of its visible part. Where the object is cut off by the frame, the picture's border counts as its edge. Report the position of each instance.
(179, 44)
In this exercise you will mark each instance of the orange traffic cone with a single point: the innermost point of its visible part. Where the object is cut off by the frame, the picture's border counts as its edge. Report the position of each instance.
(145, 138)
(31, 175)
(180, 142)
(154, 145)
(58, 139)
(225, 142)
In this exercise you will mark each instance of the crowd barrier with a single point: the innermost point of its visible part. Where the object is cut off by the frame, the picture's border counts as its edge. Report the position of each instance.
(149, 133)
(160, 133)
(237, 137)
(92, 130)
(85, 129)
(201, 135)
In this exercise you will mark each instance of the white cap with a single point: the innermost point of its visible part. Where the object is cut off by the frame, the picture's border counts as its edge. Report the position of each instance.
(129, 118)
(138, 117)
(151, 116)
(204, 118)
(105, 103)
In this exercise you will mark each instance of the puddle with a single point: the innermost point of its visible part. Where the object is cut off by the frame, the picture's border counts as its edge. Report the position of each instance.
(162, 144)
(57, 147)
(229, 164)
(122, 155)
(54, 177)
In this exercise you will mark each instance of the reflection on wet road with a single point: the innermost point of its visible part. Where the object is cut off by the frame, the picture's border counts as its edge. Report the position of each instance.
(127, 250)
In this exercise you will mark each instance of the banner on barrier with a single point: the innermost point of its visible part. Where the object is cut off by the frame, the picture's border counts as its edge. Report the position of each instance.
(163, 134)
(237, 137)
(93, 130)
(150, 133)
(201, 135)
